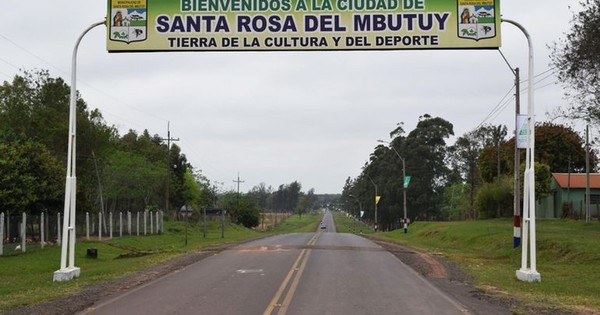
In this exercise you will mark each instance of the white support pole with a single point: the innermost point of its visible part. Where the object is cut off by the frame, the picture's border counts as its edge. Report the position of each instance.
(42, 239)
(24, 233)
(68, 237)
(529, 274)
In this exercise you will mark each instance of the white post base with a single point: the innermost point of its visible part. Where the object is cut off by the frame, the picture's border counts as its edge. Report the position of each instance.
(66, 274)
(528, 275)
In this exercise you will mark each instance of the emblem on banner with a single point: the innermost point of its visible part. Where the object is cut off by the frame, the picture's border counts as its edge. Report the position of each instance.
(128, 20)
(476, 19)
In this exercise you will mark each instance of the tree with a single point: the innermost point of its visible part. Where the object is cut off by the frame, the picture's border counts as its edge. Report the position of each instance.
(242, 208)
(31, 179)
(559, 147)
(131, 181)
(426, 154)
(577, 59)
(35, 106)
(457, 202)
(261, 194)
(495, 195)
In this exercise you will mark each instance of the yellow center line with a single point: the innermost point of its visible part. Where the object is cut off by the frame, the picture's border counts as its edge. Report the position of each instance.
(297, 269)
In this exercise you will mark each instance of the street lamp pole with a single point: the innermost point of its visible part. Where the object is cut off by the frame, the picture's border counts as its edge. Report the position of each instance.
(405, 219)
(528, 274)
(68, 236)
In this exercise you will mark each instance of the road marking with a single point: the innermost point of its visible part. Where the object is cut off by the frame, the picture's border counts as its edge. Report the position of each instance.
(249, 271)
(295, 272)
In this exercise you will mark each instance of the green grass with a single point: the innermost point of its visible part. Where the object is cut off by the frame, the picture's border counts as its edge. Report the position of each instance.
(27, 278)
(568, 258)
(346, 224)
(295, 223)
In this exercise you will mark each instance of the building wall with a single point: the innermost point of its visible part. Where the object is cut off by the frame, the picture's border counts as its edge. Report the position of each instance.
(551, 206)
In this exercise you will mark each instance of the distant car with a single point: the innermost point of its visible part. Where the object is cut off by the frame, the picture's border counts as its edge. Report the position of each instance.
(323, 226)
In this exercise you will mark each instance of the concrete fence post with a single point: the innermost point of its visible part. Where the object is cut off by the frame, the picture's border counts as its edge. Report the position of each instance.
(1, 233)
(158, 223)
(145, 217)
(24, 232)
(99, 226)
(151, 223)
(58, 239)
(129, 222)
(137, 223)
(42, 239)
(87, 226)
(110, 225)
(120, 224)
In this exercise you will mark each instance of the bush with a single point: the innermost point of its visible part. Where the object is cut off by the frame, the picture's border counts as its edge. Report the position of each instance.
(493, 195)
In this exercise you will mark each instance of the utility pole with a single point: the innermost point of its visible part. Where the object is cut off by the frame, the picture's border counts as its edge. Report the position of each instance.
(168, 139)
(404, 185)
(587, 174)
(517, 190)
(238, 181)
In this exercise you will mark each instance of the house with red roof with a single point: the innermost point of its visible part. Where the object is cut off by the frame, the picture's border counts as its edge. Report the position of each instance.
(567, 198)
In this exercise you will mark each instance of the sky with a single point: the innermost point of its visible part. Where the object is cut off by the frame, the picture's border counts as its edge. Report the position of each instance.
(279, 117)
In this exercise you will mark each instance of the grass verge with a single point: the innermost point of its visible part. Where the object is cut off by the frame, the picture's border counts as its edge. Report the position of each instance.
(26, 279)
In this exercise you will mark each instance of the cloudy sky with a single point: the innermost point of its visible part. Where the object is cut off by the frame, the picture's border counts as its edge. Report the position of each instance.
(276, 117)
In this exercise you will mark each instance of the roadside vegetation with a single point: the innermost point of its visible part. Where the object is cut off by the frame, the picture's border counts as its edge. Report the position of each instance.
(27, 278)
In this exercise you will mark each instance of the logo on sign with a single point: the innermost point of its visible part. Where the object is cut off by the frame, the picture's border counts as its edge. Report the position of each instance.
(128, 20)
(476, 19)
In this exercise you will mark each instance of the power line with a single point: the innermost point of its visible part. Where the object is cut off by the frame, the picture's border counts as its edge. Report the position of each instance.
(503, 103)
(496, 107)
(32, 54)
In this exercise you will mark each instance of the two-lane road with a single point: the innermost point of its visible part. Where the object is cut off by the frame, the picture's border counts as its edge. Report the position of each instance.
(305, 273)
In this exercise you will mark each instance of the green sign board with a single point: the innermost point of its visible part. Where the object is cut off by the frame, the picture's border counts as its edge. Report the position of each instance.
(288, 25)
(406, 181)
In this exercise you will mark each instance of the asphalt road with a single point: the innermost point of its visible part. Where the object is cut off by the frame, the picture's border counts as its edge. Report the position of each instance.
(304, 273)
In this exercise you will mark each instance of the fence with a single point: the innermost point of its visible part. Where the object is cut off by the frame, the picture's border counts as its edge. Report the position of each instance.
(22, 232)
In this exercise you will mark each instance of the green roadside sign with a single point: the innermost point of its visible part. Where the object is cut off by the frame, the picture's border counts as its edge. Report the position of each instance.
(406, 181)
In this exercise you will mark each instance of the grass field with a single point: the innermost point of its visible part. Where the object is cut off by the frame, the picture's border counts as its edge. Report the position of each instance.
(27, 278)
(568, 258)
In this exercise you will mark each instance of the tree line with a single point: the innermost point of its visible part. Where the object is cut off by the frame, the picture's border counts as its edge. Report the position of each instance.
(130, 172)
(470, 179)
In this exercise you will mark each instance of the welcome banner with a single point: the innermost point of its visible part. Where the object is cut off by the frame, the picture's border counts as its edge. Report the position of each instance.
(289, 25)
